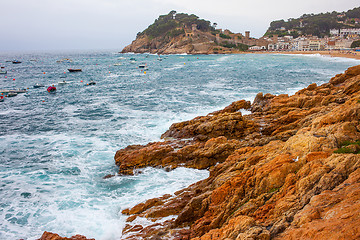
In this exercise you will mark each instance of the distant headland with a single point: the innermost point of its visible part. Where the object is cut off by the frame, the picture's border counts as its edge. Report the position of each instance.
(177, 33)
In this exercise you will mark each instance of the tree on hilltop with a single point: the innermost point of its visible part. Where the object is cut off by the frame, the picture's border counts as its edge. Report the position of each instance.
(166, 24)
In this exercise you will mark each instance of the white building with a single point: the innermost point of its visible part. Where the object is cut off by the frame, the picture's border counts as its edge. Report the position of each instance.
(349, 31)
(300, 44)
(314, 44)
(344, 32)
(343, 44)
(257, 48)
(334, 32)
(279, 46)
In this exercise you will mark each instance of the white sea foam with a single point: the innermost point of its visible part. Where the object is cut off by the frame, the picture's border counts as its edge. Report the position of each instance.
(55, 149)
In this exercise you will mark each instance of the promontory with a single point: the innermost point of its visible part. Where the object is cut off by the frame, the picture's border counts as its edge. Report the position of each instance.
(177, 33)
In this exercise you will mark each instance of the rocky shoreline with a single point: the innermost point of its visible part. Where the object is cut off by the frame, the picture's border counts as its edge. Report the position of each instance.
(288, 170)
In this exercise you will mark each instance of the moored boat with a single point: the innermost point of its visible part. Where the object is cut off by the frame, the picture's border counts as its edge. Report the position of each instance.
(143, 66)
(12, 94)
(63, 82)
(38, 85)
(3, 71)
(16, 61)
(66, 60)
(91, 83)
(74, 70)
(7, 91)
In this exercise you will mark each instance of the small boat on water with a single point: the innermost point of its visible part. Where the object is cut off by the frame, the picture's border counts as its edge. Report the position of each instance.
(7, 91)
(143, 67)
(66, 60)
(51, 89)
(19, 90)
(91, 83)
(117, 64)
(38, 85)
(74, 70)
(1, 98)
(3, 71)
(12, 94)
(63, 82)
(16, 61)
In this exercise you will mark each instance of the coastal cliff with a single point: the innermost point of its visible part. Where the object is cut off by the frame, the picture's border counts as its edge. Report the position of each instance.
(178, 33)
(288, 170)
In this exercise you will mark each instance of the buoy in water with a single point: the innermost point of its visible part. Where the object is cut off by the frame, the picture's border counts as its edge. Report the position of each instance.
(144, 72)
(81, 81)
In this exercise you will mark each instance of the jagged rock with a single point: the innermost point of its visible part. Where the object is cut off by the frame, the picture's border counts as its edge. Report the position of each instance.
(268, 170)
(273, 173)
(54, 236)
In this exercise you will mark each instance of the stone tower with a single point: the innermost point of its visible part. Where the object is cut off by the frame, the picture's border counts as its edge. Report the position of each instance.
(194, 27)
(247, 34)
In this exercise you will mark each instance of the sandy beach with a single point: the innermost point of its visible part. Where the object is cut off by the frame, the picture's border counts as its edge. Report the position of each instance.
(333, 53)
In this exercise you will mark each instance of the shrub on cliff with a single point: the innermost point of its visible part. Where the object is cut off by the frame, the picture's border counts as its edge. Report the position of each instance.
(224, 36)
(168, 24)
(240, 46)
(355, 44)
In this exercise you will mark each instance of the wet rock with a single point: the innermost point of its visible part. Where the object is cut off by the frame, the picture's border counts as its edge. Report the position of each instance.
(273, 173)
(54, 236)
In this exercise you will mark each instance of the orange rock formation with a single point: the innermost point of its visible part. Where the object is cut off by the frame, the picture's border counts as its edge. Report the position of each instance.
(273, 173)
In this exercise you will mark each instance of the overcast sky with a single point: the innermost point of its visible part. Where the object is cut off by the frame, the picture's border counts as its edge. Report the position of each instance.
(28, 25)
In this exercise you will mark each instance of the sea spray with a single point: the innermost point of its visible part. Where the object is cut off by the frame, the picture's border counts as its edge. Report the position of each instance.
(56, 149)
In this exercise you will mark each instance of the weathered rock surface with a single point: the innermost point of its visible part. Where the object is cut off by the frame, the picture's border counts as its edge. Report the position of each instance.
(54, 236)
(200, 43)
(273, 173)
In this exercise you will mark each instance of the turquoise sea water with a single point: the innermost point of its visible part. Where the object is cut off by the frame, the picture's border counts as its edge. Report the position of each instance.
(55, 148)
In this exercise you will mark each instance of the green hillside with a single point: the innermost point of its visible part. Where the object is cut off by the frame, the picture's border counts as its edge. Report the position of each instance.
(167, 25)
(315, 24)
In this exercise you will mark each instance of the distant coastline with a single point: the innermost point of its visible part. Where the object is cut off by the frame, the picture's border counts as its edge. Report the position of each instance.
(332, 53)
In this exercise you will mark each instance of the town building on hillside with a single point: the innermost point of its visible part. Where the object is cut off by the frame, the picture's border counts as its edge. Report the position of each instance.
(279, 46)
(300, 44)
(330, 45)
(257, 48)
(343, 44)
(334, 32)
(345, 32)
(314, 44)
(194, 27)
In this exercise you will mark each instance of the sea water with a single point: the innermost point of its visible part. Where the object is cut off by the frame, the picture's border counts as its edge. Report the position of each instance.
(55, 149)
